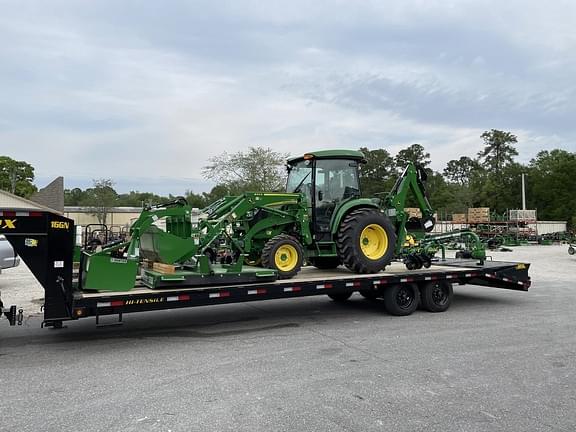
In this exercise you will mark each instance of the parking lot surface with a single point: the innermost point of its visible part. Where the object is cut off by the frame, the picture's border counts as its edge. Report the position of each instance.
(497, 360)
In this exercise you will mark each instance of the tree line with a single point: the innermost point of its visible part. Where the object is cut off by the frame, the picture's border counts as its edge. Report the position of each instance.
(490, 178)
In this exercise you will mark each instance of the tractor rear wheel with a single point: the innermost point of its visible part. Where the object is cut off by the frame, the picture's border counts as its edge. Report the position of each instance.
(366, 241)
(284, 254)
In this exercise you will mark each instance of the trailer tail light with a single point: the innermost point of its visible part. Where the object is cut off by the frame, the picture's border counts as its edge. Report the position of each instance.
(79, 312)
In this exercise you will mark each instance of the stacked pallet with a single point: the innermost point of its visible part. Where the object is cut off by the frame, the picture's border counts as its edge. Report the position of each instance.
(413, 212)
(159, 267)
(479, 215)
(459, 218)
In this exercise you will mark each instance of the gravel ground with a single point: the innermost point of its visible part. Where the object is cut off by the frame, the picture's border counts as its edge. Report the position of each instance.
(496, 361)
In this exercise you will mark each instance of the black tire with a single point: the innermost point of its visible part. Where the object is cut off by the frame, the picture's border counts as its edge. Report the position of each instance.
(436, 296)
(286, 246)
(401, 299)
(571, 251)
(370, 294)
(325, 263)
(340, 297)
(350, 236)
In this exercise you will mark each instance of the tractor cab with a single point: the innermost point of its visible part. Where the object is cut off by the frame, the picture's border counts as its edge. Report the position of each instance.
(327, 179)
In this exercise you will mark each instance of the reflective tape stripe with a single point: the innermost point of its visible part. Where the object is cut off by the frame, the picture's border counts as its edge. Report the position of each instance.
(324, 286)
(219, 294)
(257, 291)
(353, 284)
(292, 289)
(20, 213)
(110, 304)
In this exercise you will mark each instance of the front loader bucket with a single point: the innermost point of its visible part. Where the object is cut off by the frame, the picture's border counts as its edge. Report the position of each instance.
(101, 272)
(164, 247)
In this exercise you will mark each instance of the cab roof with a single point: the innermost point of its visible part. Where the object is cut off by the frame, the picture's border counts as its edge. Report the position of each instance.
(328, 154)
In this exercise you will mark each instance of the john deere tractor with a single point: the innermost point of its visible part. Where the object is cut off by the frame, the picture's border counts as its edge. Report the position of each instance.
(320, 219)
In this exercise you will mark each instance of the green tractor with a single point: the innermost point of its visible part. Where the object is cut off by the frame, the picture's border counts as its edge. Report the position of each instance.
(321, 219)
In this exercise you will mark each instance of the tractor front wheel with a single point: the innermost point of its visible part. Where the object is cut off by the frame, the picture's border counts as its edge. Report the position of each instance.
(284, 254)
(366, 241)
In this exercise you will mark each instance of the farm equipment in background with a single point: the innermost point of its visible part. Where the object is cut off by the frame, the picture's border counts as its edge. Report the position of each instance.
(422, 253)
(321, 219)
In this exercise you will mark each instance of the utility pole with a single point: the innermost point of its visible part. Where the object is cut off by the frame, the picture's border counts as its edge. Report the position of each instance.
(523, 193)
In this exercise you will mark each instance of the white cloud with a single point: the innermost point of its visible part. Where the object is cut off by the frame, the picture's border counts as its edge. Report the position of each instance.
(101, 89)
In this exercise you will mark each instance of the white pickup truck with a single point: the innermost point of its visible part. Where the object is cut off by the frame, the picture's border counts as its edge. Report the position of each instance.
(8, 257)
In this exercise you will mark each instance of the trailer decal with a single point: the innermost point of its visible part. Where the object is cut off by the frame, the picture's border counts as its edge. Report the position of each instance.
(8, 223)
(144, 301)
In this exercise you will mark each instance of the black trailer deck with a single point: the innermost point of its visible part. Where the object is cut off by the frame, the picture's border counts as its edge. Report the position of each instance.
(44, 240)
(310, 281)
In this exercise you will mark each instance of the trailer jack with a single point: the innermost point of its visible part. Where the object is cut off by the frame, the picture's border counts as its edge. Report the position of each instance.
(13, 315)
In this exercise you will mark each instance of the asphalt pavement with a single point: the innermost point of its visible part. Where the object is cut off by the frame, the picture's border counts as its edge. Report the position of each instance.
(497, 360)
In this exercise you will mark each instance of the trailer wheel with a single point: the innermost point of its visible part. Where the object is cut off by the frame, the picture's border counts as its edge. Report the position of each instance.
(436, 296)
(325, 263)
(366, 241)
(401, 299)
(340, 297)
(370, 294)
(284, 254)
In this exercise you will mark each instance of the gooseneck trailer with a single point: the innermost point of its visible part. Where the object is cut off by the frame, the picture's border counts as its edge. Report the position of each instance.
(45, 242)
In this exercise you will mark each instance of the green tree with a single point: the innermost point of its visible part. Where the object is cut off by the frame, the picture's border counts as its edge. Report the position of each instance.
(379, 172)
(101, 197)
(551, 188)
(195, 200)
(139, 199)
(499, 149)
(461, 170)
(74, 197)
(414, 153)
(16, 177)
(258, 169)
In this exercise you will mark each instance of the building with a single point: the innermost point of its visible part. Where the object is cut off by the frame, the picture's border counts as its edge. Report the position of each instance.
(118, 216)
(15, 202)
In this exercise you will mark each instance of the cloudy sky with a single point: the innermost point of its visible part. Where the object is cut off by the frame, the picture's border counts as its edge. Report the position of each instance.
(144, 92)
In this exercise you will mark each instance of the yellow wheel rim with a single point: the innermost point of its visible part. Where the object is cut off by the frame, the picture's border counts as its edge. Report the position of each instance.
(286, 258)
(374, 241)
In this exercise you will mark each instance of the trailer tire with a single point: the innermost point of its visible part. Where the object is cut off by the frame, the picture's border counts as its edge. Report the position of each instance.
(436, 296)
(340, 297)
(370, 294)
(284, 254)
(325, 263)
(401, 299)
(366, 240)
